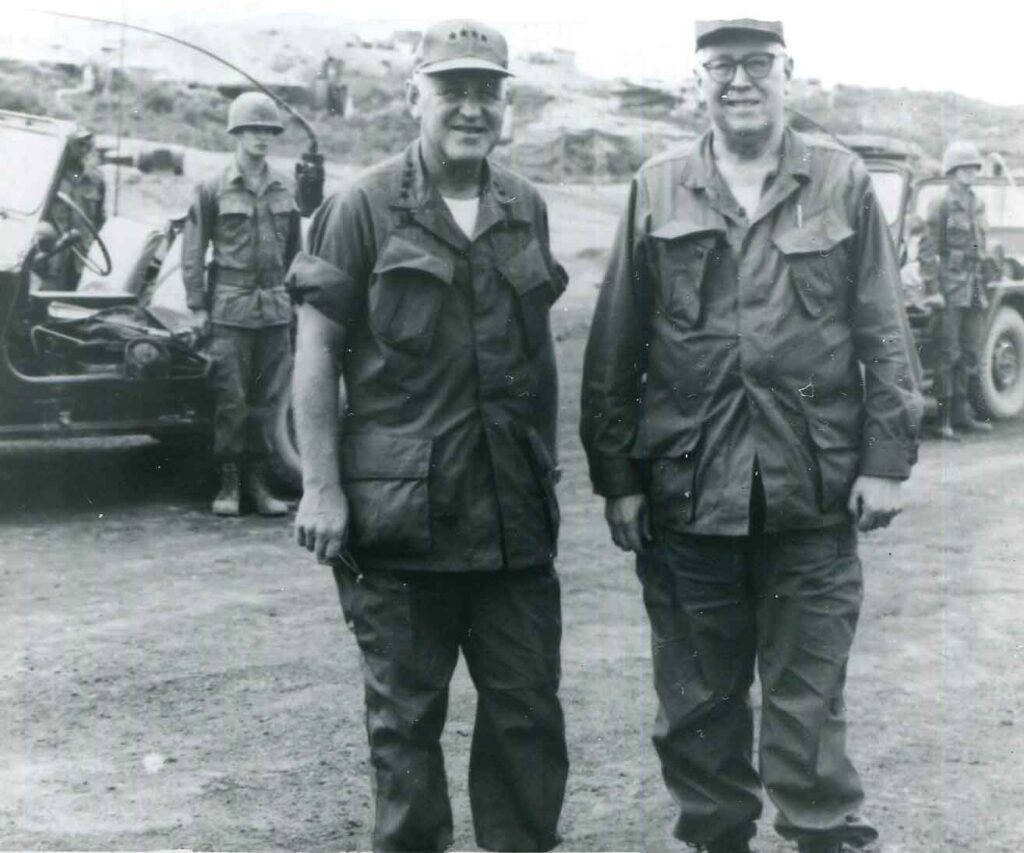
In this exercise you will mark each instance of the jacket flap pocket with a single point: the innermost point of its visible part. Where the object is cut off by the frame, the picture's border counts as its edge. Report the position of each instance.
(818, 235)
(399, 253)
(233, 205)
(526, 269)
(827, 434)
(677, 229)
(383, 456)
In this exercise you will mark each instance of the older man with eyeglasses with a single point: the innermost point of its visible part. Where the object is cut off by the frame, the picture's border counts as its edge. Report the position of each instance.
(750, 400)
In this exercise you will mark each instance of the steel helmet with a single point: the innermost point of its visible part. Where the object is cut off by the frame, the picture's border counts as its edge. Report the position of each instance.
(960, 153)
(254, 109)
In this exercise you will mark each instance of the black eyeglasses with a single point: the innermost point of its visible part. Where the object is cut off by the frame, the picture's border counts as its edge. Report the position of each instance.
(756, 65)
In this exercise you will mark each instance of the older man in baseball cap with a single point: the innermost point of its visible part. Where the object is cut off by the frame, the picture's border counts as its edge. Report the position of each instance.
(750, 401)
(427, 286)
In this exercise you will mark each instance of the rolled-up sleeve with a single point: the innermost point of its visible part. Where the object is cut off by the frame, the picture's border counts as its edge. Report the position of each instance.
(615, 362)
(885, 347)
(332, 275)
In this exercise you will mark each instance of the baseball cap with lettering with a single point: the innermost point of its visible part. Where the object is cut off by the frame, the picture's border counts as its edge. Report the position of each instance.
(462, 45)
(709, 32)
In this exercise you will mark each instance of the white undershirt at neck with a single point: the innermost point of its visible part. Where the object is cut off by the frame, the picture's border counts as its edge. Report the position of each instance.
(464, 211)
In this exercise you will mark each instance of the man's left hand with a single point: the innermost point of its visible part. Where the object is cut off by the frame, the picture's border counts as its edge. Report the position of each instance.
(875, 501)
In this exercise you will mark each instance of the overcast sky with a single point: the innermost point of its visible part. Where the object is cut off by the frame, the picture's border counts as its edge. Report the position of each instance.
(974, 49)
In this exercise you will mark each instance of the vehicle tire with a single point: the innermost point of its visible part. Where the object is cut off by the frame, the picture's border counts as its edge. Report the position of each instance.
(286, 464)
(1002, 366)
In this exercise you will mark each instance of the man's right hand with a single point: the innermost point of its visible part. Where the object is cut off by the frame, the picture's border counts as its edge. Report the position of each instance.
(321, 523)
(628, 522)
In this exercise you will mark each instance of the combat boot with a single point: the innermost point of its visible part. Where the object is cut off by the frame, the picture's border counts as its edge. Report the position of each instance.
(965, 421)
(229, 498)
(947, 431)
(259, 493)
(822, 847)
(730, 842)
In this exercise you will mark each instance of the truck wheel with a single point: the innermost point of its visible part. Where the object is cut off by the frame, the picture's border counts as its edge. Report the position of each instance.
(287, 466)
(1002, 365)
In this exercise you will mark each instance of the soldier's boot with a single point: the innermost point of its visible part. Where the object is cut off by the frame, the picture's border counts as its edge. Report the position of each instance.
(826, 847)
(229, 498)
(259, 493)
(947, 431)
(731, 842)
(963, 418)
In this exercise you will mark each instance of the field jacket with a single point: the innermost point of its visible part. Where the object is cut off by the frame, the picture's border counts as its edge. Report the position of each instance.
(724, 344)
(448, 435)
(254, 237)
(953, 247)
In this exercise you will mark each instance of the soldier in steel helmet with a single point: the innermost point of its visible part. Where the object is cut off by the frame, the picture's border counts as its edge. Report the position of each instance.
(248, 214)
(951, 253)
(431, 489)
(750, 401)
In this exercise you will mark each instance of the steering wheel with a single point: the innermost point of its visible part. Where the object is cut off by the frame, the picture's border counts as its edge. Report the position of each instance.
(107, 266)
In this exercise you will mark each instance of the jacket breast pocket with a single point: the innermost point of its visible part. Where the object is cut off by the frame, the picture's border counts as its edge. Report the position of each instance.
(386, 480)
(817, 263)
(536, 286)
(959, 230)
(681, 254)
(234, 224)
(407, 289)
(282, 209)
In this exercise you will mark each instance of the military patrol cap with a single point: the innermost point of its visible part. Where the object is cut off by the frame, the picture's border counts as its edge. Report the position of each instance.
(462, 45)
(709, 32)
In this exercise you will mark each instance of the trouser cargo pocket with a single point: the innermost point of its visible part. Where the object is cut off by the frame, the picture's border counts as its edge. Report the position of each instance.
(386, 480)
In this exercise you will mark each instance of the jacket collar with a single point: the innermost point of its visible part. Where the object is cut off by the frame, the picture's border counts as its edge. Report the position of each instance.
(700, 173)
(960, 195)
(414, 191)
(233, 176)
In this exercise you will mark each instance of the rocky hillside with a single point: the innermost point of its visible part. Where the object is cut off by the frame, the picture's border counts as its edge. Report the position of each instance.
(565, 127)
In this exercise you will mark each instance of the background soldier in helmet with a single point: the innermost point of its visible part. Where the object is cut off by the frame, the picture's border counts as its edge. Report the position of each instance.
(951, 253)
(249, 215)
(83, 183)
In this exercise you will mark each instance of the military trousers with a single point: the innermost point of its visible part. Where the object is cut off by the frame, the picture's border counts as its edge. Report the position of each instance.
(410, 627)
(251, 372)
(961, 337)
(717, 604)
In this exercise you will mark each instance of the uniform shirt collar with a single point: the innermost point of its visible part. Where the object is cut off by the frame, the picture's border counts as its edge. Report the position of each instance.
(700, 170)
(413, 188)
(233, 175)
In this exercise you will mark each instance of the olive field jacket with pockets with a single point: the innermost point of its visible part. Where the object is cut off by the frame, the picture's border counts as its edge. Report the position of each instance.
(725, 344)
(254, 237)
(448, 437)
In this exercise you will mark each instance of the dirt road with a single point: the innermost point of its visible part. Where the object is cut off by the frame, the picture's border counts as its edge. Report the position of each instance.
(168, 680)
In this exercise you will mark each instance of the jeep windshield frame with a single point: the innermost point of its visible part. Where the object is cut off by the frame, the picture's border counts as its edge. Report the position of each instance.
(892, 184)
(33, 155)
